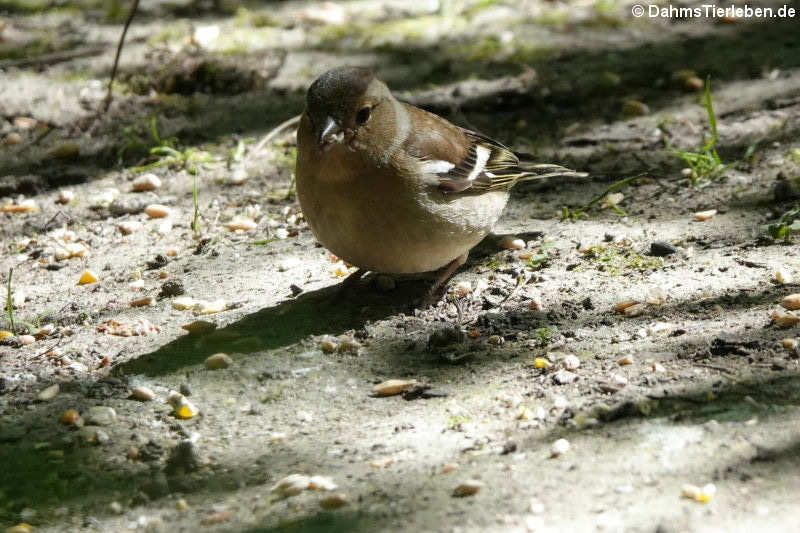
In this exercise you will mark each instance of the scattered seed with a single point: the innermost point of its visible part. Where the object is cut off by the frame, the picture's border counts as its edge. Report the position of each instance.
(127, 329)
(13, 138)
(512, 243)
(348, 344)
(393, 387)
(627, 360)
(462, 288)
(321, 483)
(783, 275)
(157, 211)
(788, 343)
(497, 340)
(27, 339)
(559, 447)
(291, 485)
(142, 393)
(87, 277)
(702, 495)
(333, 501)
(702, 216)
(24, 206)
(624, 304)
(181, 406)
(183, 303)
(70, 417)
(146, 182)
(634, 108)
(136, 285)
(218, 517)
(468, 488)
(48, 393)
(635, 310)
(218, 361)
(658, 367)
(785, 319)
(541, 362)
(22, 527)
(143, 302)
(5, 334)
(328, 345)
(172, 252)
(449, 467)
(570, 362)
(238, 223)
(209, 308)
(792, 301)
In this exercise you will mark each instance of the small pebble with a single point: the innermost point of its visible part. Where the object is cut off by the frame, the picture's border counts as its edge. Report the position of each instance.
(559, 447)
(65, 196)
(48, 393)
(564, 377)
(662, 249)
(288, 264)
(13, 138)
(146, 182)
(656, 296)
(218, 361)
(571, 362)
(702, 216)
(101, 415)
(157, 211)
(393, 387)
(468, 488)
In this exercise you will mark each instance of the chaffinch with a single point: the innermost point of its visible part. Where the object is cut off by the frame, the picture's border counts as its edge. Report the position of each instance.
(395, 189)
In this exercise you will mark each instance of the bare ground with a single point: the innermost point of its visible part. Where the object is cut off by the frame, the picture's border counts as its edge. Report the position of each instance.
(721, 408)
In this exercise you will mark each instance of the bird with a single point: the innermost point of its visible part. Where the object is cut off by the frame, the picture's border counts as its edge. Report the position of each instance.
(394, 189)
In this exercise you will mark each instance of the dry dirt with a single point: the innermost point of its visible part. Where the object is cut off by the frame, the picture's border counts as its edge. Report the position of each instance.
(694, 388)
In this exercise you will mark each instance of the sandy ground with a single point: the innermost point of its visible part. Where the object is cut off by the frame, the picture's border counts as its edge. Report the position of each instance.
(691, 387)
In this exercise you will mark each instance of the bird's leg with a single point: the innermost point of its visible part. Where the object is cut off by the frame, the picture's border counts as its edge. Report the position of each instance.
(447, 271)
(351, 281)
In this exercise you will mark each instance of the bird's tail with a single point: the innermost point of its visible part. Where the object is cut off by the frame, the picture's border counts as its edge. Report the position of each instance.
(537, 171)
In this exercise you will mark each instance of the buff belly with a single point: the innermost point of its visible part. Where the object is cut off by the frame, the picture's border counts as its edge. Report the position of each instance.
(400, 231)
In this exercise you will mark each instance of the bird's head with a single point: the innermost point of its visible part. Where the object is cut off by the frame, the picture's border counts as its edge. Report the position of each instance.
(343, 102)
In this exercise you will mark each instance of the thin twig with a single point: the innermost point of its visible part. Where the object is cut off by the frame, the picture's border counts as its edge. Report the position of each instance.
(131, 13)
(49, 59)
(274, 133)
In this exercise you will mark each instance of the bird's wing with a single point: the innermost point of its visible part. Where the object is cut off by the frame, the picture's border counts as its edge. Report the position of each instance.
(461, 160)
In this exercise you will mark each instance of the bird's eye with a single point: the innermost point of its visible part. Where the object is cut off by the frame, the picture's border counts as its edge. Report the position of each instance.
(363, 114)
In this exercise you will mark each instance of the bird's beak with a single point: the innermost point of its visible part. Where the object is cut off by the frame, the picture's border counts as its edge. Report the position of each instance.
(331, 133)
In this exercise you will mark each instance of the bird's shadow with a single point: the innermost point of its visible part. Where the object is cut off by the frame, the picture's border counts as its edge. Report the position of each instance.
(331, 310)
